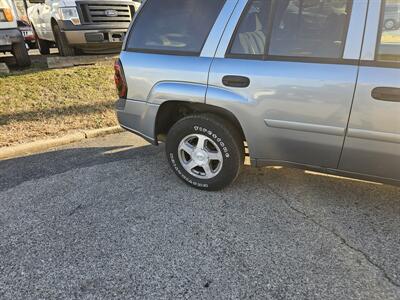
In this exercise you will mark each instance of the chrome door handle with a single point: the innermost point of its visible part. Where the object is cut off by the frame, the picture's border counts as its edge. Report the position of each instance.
(386, 94)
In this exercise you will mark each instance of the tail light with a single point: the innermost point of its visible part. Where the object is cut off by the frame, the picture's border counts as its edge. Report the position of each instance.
(120, 81)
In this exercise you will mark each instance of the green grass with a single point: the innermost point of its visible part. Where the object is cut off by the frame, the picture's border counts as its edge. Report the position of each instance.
(53, 102)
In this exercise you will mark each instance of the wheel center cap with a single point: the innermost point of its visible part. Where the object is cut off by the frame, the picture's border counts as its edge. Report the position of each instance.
(200, 156)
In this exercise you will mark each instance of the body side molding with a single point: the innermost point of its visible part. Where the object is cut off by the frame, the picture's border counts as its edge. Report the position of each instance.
(374, 135)
(299, 126)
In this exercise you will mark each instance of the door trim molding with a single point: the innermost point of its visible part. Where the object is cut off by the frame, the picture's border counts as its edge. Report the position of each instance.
(305, 127)
(374, 135)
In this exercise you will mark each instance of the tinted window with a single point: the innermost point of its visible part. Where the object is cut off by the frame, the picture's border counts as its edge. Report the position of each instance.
(310, 28)
(389, 42)
(251, 34)
(174, 25)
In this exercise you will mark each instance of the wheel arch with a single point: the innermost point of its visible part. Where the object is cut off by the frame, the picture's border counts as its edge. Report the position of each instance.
(53, 23)
(172, 111)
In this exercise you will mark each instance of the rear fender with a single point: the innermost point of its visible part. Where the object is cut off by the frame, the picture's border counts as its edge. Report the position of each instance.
(177, 91)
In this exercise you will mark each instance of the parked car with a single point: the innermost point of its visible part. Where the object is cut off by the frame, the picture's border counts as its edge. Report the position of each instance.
(392, 17)
(11, 39)
(74, 26)
(298, 83)
(27, 33)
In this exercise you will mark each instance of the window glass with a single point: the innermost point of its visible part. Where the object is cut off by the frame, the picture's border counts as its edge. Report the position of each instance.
(250, 38)
(389, 43)
(174, 25)
(310, 28)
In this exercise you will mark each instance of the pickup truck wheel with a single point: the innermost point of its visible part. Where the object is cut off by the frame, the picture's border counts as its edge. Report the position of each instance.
(21, 55)
(42, 45)
(205, 151)
(62, 44)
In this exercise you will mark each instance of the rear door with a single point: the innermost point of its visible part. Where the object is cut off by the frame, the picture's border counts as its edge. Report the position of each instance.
(372, 144)
(288, 72)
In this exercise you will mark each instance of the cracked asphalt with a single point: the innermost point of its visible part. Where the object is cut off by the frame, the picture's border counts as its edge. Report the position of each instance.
(107, 218)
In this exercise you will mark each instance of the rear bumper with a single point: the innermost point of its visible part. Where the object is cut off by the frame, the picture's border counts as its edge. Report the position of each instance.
(8, 37)
(138, 117)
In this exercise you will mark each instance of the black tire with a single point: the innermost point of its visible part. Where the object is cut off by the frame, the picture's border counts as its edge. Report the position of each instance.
(32, 45)
(21, 55)
(62, 44)
(390, 24)
(42, 45)
(223, 134)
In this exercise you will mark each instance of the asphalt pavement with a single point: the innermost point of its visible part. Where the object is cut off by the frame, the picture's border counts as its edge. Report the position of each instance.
(107, 218)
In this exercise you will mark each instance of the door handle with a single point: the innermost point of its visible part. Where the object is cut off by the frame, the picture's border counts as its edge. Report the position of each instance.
(236, 81)
(386, 94)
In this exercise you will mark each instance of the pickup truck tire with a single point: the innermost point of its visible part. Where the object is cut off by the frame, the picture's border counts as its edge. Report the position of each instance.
(205, 151)
(42, 45)
(62, 44)
(21, 55)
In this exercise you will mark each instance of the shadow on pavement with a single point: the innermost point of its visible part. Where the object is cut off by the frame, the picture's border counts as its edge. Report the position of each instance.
(15, 171)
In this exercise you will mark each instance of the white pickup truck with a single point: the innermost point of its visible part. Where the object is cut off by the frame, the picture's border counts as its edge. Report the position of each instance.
(74, 26)
(11, 39)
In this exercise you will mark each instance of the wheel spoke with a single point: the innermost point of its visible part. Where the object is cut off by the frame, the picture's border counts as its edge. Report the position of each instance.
(207, 170)
(191, 165)
(215, 156)
(201, 143)
(187, 148)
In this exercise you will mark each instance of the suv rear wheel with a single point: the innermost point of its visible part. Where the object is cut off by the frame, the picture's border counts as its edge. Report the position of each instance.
(62, 44)
(205, 151)
(21, 54)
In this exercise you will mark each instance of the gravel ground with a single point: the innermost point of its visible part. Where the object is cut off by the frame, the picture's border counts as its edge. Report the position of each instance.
(107, 218)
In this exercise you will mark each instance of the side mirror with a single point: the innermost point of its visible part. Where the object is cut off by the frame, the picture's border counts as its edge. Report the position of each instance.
(37, 1)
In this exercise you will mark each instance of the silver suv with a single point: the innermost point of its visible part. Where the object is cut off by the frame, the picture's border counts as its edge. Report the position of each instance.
(310, 84)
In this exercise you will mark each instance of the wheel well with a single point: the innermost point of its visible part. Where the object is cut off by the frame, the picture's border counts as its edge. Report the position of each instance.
(172, 111)
(53, 23)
